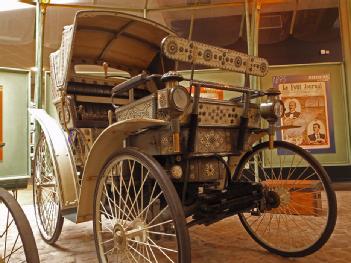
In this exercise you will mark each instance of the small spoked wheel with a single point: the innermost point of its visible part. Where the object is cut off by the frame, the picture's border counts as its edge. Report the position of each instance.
(301, 207)
(17, 243)
(138, 216)
(45, 194)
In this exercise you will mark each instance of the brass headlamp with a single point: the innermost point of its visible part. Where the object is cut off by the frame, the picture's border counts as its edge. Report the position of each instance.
(173, 99)
(273, 109)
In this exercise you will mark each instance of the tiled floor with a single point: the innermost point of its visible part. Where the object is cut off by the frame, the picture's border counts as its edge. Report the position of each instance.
(223, 242)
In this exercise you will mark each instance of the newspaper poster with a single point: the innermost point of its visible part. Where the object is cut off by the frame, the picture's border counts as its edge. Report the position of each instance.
(308, 105)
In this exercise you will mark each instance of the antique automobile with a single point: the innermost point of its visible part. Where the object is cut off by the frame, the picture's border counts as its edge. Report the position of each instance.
(139, 152)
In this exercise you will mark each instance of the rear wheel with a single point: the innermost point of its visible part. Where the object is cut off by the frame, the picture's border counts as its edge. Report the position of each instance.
(45, 194)
(138, 216)
(304, 204)
(17, 243)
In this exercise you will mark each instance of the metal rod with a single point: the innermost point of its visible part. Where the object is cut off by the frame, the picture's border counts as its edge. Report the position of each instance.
(253, 24)
(191, 28)
(208, 6)
(256, 10)
(242, 23)
(214, 85)
(247, 19)
(94, 7)
(145, 8)
(292, 25)
(162, 9)
(39, 43)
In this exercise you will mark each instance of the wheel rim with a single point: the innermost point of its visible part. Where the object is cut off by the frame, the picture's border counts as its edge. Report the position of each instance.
(17, 243)
(302, 216)
(46, 197)
(140, 227)
(11, 246)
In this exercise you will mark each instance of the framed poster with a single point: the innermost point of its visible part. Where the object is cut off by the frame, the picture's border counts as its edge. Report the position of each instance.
(307, 102)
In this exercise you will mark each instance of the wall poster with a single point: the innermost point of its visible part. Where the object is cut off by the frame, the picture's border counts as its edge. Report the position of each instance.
(1, 107)
(307, 103)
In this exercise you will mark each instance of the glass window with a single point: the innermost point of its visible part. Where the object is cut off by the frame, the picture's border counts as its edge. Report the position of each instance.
(311, 34)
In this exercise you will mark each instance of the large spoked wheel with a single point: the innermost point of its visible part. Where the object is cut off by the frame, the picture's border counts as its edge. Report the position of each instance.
(17, 243)
(303, 207)
(138, 216)
(45, 194)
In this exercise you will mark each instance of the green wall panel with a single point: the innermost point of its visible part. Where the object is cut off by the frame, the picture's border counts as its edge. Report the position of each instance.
(16, 88)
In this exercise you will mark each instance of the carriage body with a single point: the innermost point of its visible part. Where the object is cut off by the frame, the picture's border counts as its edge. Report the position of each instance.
(196, 148)
(83, 101)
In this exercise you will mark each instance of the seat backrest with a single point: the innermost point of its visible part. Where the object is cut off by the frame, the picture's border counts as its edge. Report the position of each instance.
(88, 100)
(197, 53)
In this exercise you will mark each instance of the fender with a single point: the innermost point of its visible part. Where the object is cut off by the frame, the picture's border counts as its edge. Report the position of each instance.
(62, 157)
(110, 141)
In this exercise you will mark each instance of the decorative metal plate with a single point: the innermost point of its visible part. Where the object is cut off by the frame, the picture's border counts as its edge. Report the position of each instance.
(210, 140)
(206, 169)
(198, 53)
(224, 114)
(143, 108)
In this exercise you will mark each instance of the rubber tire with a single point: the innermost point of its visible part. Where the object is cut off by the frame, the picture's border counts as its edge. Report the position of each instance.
(60, 218)
(23, 226)
(170, 194)
(328, 188)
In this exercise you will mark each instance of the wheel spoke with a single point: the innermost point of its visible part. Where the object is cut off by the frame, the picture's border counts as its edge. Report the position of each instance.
(139, 253)
(161, 249)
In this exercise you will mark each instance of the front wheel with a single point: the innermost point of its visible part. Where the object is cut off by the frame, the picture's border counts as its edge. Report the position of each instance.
(138, 216)
(302, 213)
(46, 194)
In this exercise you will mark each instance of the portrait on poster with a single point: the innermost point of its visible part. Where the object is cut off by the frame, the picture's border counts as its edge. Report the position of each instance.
(308, 107)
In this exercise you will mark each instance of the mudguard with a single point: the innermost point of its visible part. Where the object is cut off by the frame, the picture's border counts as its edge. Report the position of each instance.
(110, 141)
(63, 161)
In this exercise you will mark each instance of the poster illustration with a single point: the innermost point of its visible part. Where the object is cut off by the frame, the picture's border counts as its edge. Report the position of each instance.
(307, 104)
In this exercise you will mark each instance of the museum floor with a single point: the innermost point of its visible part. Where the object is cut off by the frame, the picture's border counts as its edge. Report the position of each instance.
(223, 242)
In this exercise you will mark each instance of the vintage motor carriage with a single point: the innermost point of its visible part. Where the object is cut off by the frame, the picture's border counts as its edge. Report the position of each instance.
(146, 158)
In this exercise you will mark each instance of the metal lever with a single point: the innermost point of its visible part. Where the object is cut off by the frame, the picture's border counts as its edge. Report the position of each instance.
(105, 66)
(131, 83)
